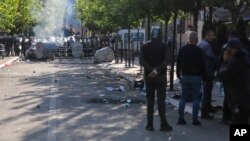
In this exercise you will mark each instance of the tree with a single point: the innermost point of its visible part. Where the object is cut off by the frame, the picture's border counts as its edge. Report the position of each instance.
(18, 15)
(108, 16)
(163, 11)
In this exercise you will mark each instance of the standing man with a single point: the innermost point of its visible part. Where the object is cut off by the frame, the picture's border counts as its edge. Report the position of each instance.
(154, 59)
(190, 71)
(211, 59)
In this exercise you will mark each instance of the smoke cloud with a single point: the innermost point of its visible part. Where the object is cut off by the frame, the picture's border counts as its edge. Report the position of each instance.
(51, 19)
(54, 16)
(70, 18)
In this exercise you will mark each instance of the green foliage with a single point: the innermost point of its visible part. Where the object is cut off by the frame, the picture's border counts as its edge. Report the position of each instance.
(162, 9)
(17, 15)
(108, 15)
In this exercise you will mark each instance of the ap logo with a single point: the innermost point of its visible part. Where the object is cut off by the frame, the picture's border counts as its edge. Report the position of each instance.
(240, 132)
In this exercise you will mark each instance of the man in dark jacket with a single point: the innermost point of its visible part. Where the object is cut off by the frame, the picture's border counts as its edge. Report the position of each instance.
(154, 59)
(235, 73)
(191, 72)
(211, 60)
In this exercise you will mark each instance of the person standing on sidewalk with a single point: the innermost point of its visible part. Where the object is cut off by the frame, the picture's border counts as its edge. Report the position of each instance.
(226, 111)
(191, 72)
(235, 72)
(154, 59)
(211, 60)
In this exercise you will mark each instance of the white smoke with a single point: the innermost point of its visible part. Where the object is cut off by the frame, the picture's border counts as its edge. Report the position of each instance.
(51, 19)
(70, 14)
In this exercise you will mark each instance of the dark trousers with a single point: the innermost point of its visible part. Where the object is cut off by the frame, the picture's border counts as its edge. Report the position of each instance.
(207, 94)
(158, 85)
(226, 111)
(242, 117)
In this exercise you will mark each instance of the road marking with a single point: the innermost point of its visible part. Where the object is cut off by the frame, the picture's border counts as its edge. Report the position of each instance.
(52, 112)
(8, 62)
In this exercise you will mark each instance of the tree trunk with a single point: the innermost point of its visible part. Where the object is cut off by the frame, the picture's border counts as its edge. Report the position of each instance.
(171, 87)
(210, 20)
(196, 14)
(205, 14)
(148, 27)
(235, 14)
(166, 31)
(195, 20)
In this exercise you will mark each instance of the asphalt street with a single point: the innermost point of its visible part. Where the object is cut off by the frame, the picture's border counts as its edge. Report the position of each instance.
(52, 101)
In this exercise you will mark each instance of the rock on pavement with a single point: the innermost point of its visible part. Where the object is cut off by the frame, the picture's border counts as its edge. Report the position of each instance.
(104, 55)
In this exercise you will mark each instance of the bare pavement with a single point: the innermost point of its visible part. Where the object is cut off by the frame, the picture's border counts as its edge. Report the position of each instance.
(69, 101)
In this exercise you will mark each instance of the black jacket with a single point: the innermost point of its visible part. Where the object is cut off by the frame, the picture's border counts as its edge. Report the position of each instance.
(191, 61)
(154, 54)
(235, 75)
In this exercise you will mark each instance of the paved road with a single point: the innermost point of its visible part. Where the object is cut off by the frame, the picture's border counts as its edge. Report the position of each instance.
(42, 101)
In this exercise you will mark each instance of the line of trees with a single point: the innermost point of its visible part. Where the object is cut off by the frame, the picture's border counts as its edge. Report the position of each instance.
(106, 16)
(109, 15)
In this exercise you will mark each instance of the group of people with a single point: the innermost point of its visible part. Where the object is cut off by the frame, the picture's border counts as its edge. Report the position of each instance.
(198, 65)
(15, 45)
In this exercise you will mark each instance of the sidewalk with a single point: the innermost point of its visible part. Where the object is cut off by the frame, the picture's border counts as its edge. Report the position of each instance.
(132, 73)
(7, 61)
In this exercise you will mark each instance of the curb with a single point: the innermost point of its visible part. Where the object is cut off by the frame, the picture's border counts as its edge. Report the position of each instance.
(8, 62)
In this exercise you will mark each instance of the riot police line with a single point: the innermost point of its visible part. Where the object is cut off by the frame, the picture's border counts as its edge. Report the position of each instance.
(35, 48)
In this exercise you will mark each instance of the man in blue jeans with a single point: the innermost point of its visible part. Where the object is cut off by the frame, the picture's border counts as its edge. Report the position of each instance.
(191, 72)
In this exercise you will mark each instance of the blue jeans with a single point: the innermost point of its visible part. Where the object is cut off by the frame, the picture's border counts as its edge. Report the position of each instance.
(187, 83)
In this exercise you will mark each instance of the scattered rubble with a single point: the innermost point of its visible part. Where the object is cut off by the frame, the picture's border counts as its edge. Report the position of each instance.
(121, 88)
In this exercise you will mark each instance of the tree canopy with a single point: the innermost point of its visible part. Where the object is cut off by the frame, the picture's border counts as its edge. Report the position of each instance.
(17, 15)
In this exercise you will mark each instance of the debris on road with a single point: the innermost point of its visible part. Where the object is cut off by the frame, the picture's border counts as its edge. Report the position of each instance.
(125, 105)
(143, 93)
(105, 101)
(170, 138)
(121, 88)
(88, 77)
(129, 101)
(102, 95)
(109, 89)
